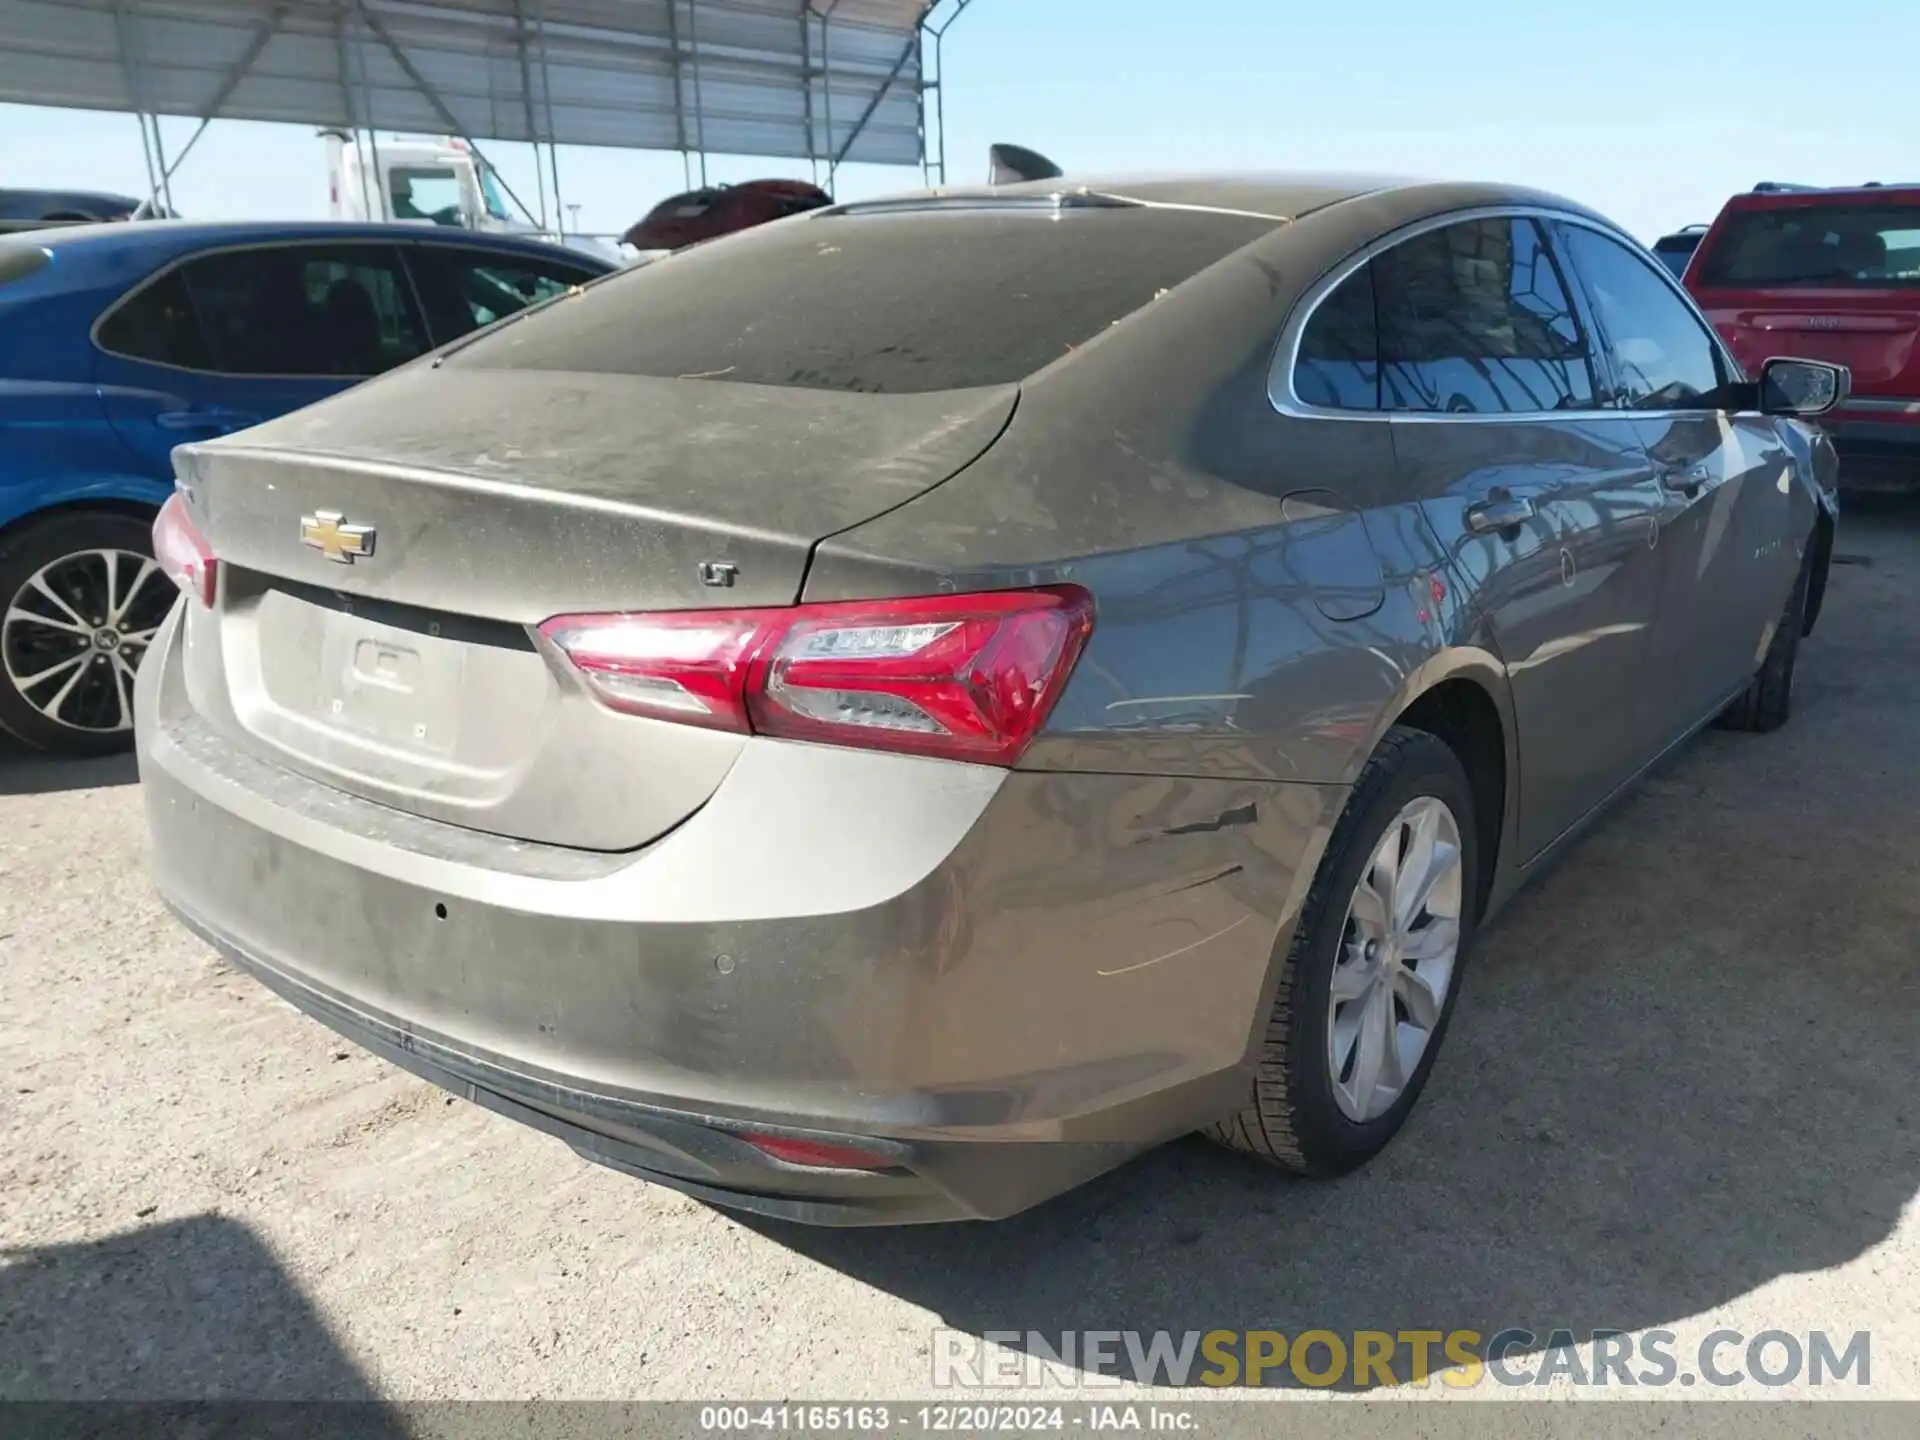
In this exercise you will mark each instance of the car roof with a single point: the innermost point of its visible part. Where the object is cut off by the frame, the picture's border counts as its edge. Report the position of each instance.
(1800, 197)
(1282, 195)
(1285, 195)
(183, 236)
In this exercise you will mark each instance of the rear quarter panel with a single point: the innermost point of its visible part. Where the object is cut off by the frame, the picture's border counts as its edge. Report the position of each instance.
(1268, 598)
(57, 446)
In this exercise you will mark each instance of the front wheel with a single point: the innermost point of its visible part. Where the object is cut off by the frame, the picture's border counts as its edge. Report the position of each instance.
(1368, 985)
(84, 599)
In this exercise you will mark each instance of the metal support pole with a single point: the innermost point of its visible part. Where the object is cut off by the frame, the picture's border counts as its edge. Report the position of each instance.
(192, 140)
(353, 124)
(806, 85)
(826, 69)
(679, 93)
(938, 86)
(699, 112)
(920, 104)
(526, 96)
(133, 69)
(880, 94)
(940, 95)
(160, 160)
(553, 151)
(432, 97)
(367, 113)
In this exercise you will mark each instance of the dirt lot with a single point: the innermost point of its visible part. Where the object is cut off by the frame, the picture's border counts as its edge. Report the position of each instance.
(1679, 1094)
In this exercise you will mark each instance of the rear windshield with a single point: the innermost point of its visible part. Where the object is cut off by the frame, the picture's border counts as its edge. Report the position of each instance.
(1864, 246)
(937, 298)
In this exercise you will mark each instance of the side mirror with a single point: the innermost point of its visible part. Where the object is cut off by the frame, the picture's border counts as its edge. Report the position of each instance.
(1805, 388)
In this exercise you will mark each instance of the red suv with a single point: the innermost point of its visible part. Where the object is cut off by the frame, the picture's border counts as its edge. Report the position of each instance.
(1828, 275)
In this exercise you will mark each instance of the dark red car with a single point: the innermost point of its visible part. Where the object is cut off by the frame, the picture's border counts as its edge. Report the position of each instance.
(1828, 275)
(715, 210)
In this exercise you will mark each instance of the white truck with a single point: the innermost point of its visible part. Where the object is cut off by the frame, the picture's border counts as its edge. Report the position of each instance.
(427, 181)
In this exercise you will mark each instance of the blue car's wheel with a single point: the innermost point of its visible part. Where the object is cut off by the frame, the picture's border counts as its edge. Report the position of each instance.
(83, 599)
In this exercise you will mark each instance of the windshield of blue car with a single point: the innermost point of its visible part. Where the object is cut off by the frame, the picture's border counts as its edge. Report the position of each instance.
(897, 301)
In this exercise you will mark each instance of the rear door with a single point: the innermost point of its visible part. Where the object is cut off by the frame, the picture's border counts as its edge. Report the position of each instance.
(228, 339)
(1725, 493)
(1544, 500)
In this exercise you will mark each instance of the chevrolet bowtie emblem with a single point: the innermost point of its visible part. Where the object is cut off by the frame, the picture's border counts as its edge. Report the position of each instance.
(327, 532)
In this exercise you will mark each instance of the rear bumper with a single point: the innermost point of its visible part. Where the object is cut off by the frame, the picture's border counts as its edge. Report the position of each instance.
(1878, 454)
(1026, 980)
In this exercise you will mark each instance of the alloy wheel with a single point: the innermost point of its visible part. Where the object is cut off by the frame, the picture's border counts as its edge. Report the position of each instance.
(73, 636)
(1396, 960)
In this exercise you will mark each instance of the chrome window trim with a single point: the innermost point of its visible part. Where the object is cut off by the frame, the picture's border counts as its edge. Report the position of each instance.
(180, 262)
(1282, 395)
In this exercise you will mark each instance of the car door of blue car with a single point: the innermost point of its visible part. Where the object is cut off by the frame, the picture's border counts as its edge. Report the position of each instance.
(233, 337)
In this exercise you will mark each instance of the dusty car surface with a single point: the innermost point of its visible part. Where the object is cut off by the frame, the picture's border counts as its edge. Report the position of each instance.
(884, 716)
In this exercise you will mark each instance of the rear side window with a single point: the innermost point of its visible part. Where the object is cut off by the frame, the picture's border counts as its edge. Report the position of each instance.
(1664, 358)
(158, 324)
(1475, 320)
(1861, 246)
(466, 289)
(1338, 367)
(939, 298)
(339, 310)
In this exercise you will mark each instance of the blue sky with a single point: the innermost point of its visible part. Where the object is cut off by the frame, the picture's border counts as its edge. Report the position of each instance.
(1650, 112)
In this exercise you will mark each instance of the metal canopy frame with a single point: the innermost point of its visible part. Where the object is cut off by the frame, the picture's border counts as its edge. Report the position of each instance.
(827, 81)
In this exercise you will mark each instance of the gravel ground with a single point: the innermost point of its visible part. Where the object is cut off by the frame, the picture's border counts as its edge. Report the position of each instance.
(1678, 1095)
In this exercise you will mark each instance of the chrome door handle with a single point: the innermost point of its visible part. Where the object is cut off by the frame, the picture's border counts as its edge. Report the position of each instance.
(1688, 482)
(1500, 511)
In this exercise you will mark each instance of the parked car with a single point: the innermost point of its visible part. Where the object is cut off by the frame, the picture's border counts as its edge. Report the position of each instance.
(117, 342)
(715, 210)
(1676, 249)
(887, 715)
(1833, 274)
(69, 207)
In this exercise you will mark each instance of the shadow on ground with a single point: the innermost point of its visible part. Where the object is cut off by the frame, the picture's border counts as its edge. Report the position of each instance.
(28, 772)
(1683, 1066)
(194, 1309)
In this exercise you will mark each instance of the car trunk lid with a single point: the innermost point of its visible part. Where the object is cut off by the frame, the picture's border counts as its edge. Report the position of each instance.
(1877, 343)
(388, 553)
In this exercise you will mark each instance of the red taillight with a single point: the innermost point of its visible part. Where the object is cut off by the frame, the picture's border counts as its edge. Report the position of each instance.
(967, 677)
(183, 554)
(816, 1152)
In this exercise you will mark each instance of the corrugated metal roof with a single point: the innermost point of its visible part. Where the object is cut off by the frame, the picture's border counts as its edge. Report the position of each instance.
(744, 77)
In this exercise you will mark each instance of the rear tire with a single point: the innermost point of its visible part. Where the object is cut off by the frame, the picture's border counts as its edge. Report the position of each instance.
(82, 599)
(1767, 701)
(1303, 1114)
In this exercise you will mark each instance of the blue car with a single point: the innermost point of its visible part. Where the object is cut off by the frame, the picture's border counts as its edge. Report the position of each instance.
(119, 342)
